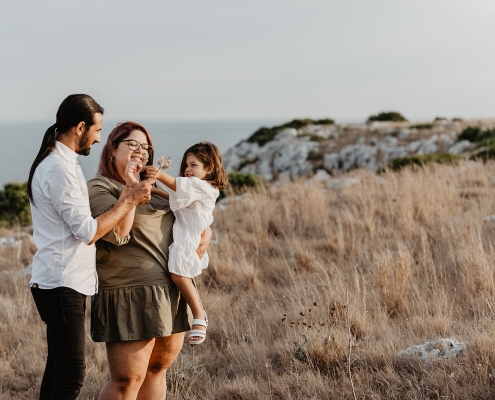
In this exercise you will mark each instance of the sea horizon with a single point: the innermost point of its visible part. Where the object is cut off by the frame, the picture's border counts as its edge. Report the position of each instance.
(22, 139)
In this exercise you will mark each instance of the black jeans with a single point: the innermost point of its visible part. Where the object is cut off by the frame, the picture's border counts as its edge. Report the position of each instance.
(62, 310)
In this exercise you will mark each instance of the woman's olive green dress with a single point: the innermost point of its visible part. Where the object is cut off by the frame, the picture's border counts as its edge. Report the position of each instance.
(136, 297)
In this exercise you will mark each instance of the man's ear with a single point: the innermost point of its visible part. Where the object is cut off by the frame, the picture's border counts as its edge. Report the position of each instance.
(80, 128)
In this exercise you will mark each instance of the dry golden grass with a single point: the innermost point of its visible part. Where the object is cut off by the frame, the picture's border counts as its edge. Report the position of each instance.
(410, 248)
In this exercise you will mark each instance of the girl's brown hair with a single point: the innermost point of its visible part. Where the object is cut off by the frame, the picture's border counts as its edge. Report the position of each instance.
(211, 158)
(120, 132)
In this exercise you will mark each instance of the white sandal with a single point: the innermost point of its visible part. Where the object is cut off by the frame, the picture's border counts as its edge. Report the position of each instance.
(198, 332)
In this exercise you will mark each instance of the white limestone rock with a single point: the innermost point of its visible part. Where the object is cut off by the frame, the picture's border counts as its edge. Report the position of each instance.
(15, 242)
(403, 133)
(291, 158)
(331, 161)
(446, 139)
(421, 146)
(264, 168)
(389, 150)
(284, 157)
(318, 130)
(459, 147)
(245, 148)
(231, 160)
(358, 155)
(344, 182)
(286, 133)
(235, 156)
(322, 175)
(387, 131)
(444, 348)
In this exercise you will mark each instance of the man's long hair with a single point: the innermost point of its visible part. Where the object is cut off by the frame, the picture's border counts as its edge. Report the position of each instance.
(74, 109)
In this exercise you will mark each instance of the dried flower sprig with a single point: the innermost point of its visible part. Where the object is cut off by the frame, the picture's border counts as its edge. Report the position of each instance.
(164, 162)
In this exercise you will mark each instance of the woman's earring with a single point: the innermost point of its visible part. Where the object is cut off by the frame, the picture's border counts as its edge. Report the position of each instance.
(113, 159)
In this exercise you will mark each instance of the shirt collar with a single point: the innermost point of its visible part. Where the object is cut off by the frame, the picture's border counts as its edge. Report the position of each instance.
(66, 152)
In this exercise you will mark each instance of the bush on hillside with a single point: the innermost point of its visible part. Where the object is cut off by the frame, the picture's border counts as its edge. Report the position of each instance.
(423, 126)
(486, 153)
(14, 205)
(476, 134)
(420, 160)
(265, 135)
(239, 182)
(388, 116)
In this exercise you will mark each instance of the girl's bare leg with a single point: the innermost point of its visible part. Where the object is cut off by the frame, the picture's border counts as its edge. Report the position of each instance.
(188, 290)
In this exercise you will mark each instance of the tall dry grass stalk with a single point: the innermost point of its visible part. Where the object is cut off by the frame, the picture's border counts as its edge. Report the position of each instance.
(411, 249)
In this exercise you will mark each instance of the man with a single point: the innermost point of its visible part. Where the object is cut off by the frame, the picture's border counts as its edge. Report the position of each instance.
(64, 271)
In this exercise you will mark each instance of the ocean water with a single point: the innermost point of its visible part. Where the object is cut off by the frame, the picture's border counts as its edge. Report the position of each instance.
(20, 142)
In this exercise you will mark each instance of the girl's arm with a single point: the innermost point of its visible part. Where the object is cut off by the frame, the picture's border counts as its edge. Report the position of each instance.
(204, 242)
(166, 179)
(160, 193)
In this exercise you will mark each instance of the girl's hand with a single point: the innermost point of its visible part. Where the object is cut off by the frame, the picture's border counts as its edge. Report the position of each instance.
(151, 171)
(204, 242)
(132, 172)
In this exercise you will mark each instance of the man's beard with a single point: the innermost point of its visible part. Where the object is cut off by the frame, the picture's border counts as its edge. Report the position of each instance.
(84, 145)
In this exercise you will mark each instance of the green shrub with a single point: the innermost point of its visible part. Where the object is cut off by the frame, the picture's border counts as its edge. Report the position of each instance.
(477, 134)
(314, 156)
(14, 205)
(247, 162)
(440, 119)
(388, 116)
(423, 126)
(485, 154)
(265, 135)
(457, 119)
(326, 121)
(420, 160)
(471, 133)
(239, 182)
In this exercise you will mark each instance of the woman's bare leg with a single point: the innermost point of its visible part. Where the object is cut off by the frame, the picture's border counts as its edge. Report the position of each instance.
(188, 290)
(164, 353)
(128, 363)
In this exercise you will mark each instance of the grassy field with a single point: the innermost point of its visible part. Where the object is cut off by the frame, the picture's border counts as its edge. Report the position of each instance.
(409, 248)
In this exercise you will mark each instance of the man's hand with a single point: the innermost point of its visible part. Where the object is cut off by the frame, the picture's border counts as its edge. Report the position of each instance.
(204, 242)
(141, 192)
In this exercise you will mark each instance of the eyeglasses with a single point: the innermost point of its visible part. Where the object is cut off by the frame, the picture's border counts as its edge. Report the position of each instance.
(135, 146)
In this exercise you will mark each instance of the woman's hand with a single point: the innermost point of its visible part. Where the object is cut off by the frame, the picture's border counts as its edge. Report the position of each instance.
(204, 242)
(132, 172)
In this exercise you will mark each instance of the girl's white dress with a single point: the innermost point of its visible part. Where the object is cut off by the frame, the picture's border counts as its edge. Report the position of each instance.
(193, 203)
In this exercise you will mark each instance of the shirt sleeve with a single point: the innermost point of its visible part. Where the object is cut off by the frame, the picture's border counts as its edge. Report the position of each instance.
(101, 200)
(187, 191)
(71, 203)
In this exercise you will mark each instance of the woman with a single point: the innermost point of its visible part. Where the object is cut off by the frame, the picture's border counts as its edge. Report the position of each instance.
(138, 311)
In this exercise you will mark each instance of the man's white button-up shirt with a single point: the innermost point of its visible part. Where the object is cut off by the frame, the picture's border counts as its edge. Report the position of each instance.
(63, 225)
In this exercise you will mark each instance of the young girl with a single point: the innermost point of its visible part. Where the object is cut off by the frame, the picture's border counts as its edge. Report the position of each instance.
(192, 199)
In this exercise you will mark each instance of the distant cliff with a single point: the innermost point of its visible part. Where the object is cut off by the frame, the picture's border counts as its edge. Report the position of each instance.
(303, 148)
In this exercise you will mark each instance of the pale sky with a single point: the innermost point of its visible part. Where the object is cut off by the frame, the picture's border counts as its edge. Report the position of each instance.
(249, 59)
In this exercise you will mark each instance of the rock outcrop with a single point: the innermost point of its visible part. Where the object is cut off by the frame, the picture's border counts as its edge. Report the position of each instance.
(445, 348)
(294, 153)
